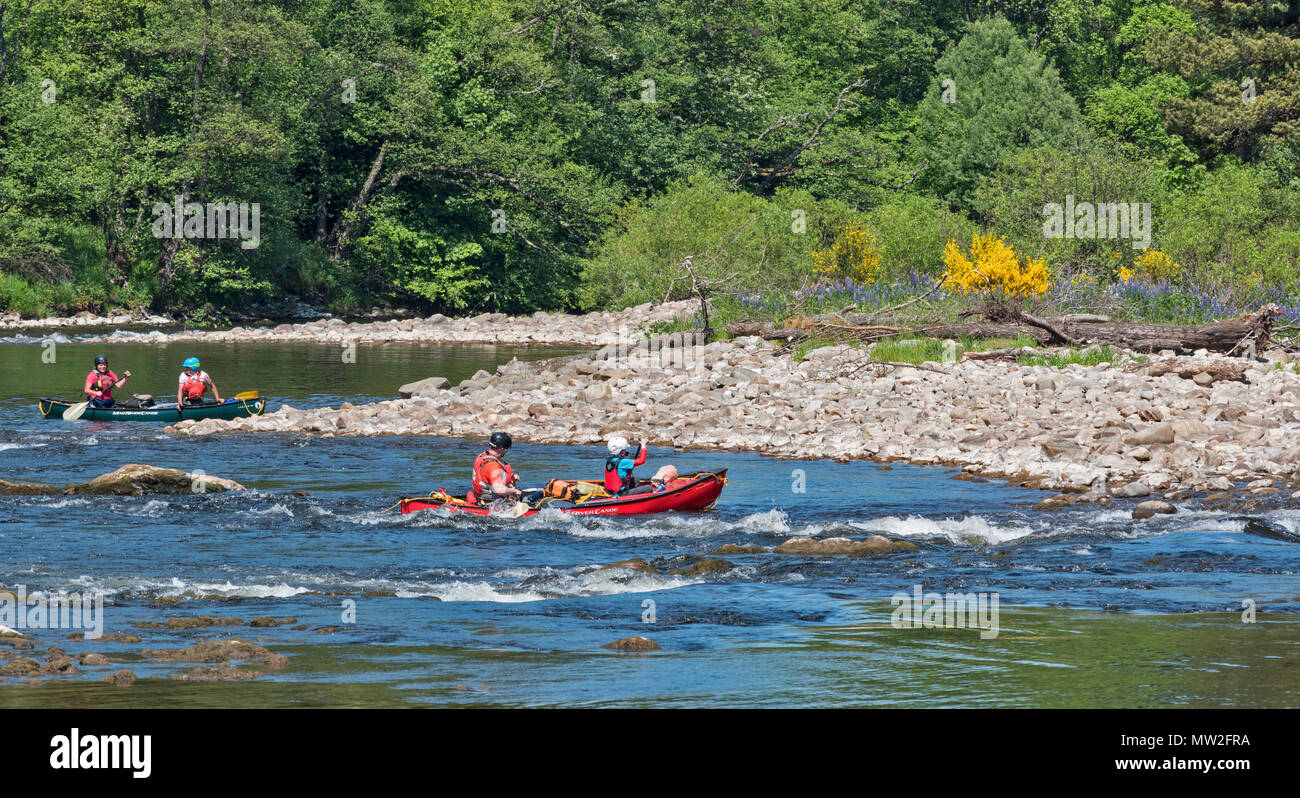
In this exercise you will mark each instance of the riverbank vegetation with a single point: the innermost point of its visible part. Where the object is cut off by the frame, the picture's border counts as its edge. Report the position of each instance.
(788, 157)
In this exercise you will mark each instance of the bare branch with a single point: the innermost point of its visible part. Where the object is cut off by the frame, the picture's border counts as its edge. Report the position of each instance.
(781, 122)
(812, 141)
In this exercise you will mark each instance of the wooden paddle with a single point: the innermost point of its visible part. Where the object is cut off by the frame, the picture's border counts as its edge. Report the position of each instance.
(73, 413)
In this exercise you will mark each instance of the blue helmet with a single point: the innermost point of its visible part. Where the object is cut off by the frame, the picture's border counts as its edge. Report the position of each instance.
(191, 363)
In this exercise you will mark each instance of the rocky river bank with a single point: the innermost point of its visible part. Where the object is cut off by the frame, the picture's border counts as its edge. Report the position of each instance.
(13, 321)
(591, 329)
(1088, 432)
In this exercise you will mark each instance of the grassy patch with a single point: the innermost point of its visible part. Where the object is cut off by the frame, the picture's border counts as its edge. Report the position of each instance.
(679, 324)
(915, 350)
(912, 350)
(1089, 356)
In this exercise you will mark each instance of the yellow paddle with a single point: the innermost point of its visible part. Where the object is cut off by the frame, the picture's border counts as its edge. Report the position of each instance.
(245, 395)
(73, 413)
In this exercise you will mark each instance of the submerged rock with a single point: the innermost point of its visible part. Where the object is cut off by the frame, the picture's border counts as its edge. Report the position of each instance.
(8, 488)
(225, 672)
(634, 644)
(708, 565)
(115, 637)
(1150, 508)
(1056, 502)
(130, 480)
(201, 622)
(217, 651)
(20, 667)
(269, 621)
(874, 545)
(121, 678)
(634, 564)
(736, 548)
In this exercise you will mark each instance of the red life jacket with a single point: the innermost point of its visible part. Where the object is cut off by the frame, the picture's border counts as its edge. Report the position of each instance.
(480, 483)
(194, 387)
(615, 485)
(102, 382)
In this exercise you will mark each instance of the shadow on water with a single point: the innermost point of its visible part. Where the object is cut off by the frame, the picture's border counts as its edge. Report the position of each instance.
(1040, 658)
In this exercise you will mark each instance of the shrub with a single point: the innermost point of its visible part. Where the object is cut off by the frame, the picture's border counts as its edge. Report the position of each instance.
(855, 255)
(995, 268)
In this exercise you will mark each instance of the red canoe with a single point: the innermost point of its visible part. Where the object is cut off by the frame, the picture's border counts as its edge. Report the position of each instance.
(696, 492)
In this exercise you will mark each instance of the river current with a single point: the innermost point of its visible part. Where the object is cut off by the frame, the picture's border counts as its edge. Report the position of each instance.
(1093, 608)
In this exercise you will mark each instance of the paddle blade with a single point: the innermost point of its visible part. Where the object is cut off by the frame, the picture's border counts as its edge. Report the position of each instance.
(73, 413)
(245, 395)
(518, 510)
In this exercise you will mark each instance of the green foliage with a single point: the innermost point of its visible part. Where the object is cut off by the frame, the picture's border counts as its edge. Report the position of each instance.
(1235, 229)
(741, 241)
(1005, 98)
(1012, 199)
(467, 155)
(1130, 115)
(1239, 61)
(912, 231)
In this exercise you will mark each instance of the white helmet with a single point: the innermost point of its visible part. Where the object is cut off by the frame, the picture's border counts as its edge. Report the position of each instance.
(617, 445)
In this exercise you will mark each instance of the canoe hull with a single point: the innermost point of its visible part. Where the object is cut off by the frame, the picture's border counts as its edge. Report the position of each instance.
(695, 493)
(231, 408)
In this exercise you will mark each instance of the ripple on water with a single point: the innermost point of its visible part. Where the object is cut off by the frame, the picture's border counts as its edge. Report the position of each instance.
(971, 530)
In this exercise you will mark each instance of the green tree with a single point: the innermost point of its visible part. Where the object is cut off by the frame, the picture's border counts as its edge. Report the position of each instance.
(1003, 98)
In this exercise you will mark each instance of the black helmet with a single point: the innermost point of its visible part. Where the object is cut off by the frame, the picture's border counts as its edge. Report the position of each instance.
(500, 440)
(101, 359)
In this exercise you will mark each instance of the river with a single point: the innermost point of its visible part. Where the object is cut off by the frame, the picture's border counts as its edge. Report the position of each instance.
(1094, 609)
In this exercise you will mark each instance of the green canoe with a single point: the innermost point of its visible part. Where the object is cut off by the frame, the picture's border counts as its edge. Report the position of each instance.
(166, 411)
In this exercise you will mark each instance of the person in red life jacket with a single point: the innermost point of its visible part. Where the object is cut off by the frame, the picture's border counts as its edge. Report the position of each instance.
(194, 383)
(494, 480)
(619, 480)
(101, 381)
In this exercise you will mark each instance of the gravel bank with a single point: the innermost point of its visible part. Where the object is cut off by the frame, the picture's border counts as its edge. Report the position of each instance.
(12, 321)
(591, 329)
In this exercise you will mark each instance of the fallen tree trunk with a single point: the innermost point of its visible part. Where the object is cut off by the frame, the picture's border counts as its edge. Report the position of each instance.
(1231, 336)
(1243, 335)
(737, 329)
(785, 335)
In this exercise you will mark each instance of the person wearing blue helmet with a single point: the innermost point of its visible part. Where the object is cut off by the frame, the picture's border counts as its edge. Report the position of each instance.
(194, 383)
